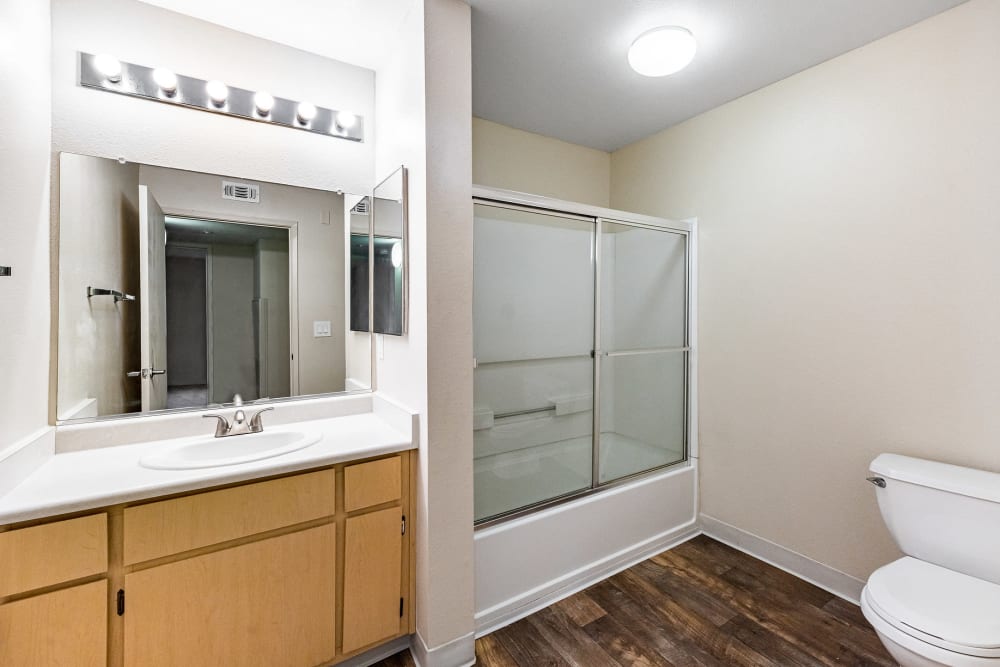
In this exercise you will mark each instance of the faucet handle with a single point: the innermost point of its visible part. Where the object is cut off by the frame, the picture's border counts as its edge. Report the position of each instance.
(256, 426)
(222, 428)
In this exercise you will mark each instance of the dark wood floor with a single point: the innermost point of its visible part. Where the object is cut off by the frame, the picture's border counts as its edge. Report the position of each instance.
(702, 603)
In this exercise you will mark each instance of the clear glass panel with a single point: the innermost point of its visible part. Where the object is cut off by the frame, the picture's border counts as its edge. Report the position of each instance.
(534, 331)
(643, 288)
(642, 412)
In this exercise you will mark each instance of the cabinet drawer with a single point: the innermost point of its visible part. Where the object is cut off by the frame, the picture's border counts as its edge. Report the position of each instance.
(172, 526)
(67, 627)
(53, 553)
(372, 483)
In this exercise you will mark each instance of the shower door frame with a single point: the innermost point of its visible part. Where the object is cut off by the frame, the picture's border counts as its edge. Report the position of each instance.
(510, 199)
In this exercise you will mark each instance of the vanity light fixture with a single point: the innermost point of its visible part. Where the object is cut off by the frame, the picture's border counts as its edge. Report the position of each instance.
(662, 51)
(109, 66)
(166, 80)
(346, 120)
(217, 92)
(263, 102)
(305, 112)
(108, 74)
(396, 254)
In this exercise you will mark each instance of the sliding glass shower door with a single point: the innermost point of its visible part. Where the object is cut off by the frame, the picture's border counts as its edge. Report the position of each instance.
(568, 310)
(533, 309)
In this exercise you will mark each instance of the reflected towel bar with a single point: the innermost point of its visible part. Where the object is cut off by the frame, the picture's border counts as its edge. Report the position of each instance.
(531, 411)
(119, 296)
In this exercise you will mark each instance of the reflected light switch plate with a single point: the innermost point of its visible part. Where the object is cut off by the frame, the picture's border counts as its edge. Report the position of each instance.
(321, 329)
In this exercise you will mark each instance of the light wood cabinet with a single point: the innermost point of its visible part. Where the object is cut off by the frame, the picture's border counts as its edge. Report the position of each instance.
(66, 628)
(269, 603)
(372, 578)
(302, 570)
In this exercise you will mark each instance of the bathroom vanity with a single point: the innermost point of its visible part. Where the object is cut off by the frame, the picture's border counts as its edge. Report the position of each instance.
(306, 561)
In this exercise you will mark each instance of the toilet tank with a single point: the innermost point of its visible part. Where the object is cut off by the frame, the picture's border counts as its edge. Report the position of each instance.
(942, 514)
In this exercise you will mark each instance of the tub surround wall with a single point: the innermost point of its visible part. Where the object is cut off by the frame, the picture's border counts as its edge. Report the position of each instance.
(848, 294)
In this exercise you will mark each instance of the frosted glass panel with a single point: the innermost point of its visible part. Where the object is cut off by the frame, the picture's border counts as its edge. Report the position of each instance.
(643, 288)
(534, 285)
(533, 319)
(642, 413)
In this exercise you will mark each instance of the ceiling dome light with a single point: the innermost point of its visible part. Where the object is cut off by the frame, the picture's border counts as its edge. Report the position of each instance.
(662, 51)
(166, 80)
(264, 101)
(109, 66)
(306, 112)
(217, 92)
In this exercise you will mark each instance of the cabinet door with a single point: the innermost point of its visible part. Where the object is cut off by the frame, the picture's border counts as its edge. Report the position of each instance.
(372, 578)
(67, 628)
(269, 603)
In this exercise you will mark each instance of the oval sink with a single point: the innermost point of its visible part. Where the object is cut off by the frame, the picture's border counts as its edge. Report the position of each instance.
(212, 452)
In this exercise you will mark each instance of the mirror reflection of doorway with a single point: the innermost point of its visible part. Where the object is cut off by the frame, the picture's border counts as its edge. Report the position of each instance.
(228, 312)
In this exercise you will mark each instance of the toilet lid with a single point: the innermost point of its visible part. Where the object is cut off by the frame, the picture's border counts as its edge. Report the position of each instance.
(940, 606)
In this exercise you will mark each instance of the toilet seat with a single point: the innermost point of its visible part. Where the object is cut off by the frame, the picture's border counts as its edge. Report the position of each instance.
(937, 606)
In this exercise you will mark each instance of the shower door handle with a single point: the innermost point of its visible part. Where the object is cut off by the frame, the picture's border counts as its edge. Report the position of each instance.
(153, 371)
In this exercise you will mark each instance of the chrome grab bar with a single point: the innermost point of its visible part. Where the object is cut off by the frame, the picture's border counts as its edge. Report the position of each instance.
(530, 411)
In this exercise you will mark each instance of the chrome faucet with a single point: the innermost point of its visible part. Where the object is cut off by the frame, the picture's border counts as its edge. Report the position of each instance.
(240, 424)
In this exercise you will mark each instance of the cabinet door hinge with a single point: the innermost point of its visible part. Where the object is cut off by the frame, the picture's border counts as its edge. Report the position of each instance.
(400, 607)
(121, 601)
(403, 530)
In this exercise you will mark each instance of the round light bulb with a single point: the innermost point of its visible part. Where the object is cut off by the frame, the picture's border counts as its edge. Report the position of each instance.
(346, 120)
(264, 102)
(166, 80)
(306, 112)
(217, 92)
(396, 254)
(109, 66)
(662, 51)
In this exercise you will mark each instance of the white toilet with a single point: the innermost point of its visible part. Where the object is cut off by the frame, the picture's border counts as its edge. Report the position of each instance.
(939, 604)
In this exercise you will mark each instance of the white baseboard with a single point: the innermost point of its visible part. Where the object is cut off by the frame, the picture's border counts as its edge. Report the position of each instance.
(25, 456)
(459, 652)
(378, 653)
(515, 609)
(803, 567)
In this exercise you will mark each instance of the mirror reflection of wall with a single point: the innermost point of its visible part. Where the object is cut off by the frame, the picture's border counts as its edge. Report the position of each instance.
(238, 289)
(388, 257)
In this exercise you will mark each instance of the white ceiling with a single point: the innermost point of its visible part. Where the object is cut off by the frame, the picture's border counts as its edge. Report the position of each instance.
(558, 67)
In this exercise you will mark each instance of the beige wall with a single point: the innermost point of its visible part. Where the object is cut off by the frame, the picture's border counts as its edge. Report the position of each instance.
(321, 255)
(24, 241)
(503, 157)
(98, 247)
(849, 278)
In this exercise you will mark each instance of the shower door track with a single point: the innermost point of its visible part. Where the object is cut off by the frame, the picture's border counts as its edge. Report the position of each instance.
(598, 216)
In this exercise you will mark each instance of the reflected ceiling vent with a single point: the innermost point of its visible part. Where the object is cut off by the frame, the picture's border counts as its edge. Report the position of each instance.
(248, 192)
(361, 207)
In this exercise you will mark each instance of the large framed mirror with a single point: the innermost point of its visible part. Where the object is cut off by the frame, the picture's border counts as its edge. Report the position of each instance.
(183, 290)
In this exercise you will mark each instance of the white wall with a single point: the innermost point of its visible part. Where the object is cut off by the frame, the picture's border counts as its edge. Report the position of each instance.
(98, 247)
(511, 159)
(320, 255)
(107, 125)
(425, 100)
(848, 278)
(24, 191)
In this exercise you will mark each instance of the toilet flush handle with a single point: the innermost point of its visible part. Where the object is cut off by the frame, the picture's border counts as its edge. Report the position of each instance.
(877, 481)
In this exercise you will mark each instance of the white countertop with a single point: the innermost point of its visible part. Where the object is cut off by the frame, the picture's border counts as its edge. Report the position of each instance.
(77, 481)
